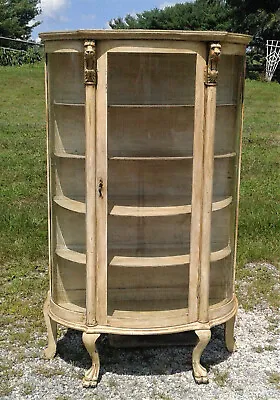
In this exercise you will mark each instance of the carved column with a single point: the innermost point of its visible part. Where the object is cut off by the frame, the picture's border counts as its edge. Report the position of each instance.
(211, 73)
(90, 62)
(90, 79)
(211, 77)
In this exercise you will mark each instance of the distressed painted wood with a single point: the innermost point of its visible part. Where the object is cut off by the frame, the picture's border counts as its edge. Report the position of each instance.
(143, 182)
(91, 375)
(199, 372)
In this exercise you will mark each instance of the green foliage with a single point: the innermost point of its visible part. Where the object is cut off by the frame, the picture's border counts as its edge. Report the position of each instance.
(14, 57)
(260, 18)
(16, 18)
(201, 15)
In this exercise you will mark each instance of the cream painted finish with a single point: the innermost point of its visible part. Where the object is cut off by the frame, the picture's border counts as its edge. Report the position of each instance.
(144, 132)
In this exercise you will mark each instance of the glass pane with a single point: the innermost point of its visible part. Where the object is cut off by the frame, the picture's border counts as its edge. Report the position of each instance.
(221, 283)
(226, 147)
(69, 129)
(67, 77)
(67, 149)
(69, 283)
(230, 78)
(155, 183)
(150, 149)
(150, 132)
(137, 78)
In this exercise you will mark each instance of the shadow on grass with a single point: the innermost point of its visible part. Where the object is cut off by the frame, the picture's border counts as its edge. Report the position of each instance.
(159, 360)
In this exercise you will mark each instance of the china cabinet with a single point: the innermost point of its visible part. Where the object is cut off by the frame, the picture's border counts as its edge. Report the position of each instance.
(144, 132)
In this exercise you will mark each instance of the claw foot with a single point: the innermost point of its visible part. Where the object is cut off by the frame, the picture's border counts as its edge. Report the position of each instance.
(49, 352)
(200, 375)
(91, 376)
(199, 372)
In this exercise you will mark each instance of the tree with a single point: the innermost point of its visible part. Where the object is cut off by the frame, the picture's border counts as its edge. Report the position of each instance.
(17, 18)
(201, 15)
(259, 18)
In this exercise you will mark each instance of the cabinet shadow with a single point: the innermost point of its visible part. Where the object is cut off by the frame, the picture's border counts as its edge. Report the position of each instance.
(156, 360)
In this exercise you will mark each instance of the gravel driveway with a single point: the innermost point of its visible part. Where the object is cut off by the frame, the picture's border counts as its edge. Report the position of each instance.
(252, 372)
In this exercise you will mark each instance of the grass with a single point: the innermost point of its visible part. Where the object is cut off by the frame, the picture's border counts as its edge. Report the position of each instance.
(259, 223)
(23, 212)
(259, 220)
(221, 378)
(23, 218)
(274, 379)
(27, 389)
(48, 371)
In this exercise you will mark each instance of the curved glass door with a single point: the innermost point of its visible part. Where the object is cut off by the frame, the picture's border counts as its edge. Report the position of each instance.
(150, 126)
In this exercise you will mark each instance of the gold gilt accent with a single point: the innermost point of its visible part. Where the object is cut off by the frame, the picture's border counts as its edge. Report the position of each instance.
(211, 75)
(90, 62)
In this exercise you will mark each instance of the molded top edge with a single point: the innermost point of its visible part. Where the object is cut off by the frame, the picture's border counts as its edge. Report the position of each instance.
(111, 34)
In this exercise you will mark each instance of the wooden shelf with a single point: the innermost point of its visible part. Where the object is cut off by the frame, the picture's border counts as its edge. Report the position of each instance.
(118, 261)
(226, 155)
(61, 154)
(220, 254)
(226, 105)
(149, 105)
(143, 262)
(58, 103)
(150, 158)
(129, 211)
(147, 312)
(219, 205)
(71, 255)
(79, 206)
(70, 204)
(72, 307)
(167, 158)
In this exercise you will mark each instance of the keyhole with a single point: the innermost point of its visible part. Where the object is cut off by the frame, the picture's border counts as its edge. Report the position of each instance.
(100, 187)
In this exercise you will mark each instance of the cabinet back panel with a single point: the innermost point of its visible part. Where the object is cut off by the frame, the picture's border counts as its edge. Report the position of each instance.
(67, 77)
(230, 77)
(69, 129)
(149, 233)
(221, 280)
(225, 132)
(70, 228)
(224, 177)
(69, 177)
(69, 283)
(142, 78)
(158, 277)
(221, 228)
(150, 132)
(151, 183)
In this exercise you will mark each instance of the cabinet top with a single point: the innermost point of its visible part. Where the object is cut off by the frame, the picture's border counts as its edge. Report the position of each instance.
(111, 34)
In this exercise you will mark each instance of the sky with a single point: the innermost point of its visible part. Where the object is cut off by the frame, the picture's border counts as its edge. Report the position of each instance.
(60, 15)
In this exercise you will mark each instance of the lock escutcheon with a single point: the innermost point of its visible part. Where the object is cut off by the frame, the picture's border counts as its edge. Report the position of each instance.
(100, 187)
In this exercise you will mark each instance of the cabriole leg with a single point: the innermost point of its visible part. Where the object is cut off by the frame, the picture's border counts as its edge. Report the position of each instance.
(50, 351)
(229, 334)
(91, 375)
(199, 372)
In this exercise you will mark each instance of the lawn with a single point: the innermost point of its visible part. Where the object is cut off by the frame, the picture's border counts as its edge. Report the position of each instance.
(23, 224)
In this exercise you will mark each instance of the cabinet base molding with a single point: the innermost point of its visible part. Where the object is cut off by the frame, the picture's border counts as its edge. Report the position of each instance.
(54, 314)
